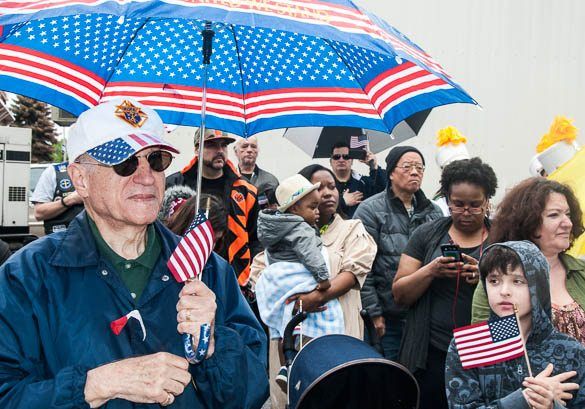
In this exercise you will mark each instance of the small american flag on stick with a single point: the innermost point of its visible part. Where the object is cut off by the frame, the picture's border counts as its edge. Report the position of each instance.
(192, 252)
(358, 142)
(489, 342)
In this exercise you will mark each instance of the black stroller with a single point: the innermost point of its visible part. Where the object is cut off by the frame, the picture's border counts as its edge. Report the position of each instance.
(342, 372)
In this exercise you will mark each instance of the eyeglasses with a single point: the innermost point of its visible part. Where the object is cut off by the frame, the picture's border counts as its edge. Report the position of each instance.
(470, 209)
(158, 161)
(408, 166)
(337, 156)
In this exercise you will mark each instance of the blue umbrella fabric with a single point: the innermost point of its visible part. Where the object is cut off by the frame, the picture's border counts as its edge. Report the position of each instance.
(276, 64)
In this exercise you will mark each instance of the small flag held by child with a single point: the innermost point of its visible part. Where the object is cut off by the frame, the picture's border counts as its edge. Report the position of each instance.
(192, 252)
(489, 342)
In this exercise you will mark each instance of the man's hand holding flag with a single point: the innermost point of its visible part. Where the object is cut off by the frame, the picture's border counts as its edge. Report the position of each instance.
(196, 307)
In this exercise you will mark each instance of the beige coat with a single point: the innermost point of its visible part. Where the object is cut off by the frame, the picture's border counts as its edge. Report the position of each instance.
(351, 249)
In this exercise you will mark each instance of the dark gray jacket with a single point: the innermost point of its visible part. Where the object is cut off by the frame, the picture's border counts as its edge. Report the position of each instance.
(386, 219)
(264, 181)
(499, 386)
(287, 237)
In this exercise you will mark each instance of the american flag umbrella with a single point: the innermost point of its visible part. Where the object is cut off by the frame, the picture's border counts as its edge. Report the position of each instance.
(276, 63)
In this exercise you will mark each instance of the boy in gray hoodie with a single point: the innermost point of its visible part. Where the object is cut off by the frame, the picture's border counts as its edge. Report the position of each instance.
(516, 273)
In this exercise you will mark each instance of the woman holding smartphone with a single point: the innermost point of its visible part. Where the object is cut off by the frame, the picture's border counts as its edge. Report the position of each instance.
(438, 289)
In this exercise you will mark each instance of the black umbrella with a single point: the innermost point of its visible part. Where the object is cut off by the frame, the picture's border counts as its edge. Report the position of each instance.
(318, 142)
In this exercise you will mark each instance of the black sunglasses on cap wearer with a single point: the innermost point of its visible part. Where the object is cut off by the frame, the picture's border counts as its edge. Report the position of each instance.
(338, 156)
(158, 161)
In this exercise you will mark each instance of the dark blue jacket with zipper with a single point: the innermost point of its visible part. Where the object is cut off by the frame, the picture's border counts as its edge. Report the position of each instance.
(58, 297)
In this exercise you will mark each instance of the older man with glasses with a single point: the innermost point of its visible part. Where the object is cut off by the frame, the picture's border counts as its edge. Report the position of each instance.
(91, 316)
(390, 217)
(354, 188)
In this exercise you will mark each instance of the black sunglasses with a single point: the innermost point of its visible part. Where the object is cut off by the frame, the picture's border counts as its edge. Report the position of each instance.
(158, 161)
(337, 156)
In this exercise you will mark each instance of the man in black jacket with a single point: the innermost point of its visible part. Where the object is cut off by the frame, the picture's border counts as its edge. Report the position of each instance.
(390, 217)
(354, 188)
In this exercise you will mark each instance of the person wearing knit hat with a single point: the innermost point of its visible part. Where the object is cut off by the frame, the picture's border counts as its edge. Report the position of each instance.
(174, 198)
(451, 147)
(390, 217)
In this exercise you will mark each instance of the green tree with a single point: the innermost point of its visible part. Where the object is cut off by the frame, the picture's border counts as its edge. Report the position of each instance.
(58, 152)
(30, 113)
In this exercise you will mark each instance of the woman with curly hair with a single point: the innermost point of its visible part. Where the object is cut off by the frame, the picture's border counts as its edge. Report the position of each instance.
(548, 214)
(438, 290)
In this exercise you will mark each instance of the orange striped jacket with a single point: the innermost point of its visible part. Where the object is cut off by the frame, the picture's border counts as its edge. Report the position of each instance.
(241, 241)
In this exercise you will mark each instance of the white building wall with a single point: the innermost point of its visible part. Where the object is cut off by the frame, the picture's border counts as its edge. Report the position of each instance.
(522, 60)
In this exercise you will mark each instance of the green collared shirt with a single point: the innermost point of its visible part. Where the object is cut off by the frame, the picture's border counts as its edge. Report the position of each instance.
(134, 273)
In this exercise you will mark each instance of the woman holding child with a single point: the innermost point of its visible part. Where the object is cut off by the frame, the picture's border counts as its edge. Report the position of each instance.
(351, 252)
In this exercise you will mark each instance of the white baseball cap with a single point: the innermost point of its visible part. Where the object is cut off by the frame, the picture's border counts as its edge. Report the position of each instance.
(293, 189)
(115, 130)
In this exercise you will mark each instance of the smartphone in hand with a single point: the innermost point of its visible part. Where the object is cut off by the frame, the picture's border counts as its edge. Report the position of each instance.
(359, 154)
(452, 250)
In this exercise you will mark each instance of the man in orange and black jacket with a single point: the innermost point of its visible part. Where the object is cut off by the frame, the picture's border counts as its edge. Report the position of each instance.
(221, 178)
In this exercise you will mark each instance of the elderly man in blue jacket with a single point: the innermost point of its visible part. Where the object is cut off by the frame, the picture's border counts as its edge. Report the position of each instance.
(64, 299)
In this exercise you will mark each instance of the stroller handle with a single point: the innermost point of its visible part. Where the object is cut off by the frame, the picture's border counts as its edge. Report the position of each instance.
(371, 331)
(288, 343)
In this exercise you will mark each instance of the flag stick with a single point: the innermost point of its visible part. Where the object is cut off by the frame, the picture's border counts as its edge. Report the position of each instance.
(523, 340)
(207, 206)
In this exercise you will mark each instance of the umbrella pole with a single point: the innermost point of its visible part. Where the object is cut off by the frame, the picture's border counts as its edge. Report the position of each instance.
(207, 50)
(191, 353)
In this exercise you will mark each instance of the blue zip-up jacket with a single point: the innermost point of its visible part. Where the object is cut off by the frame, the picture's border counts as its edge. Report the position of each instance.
(58, 297)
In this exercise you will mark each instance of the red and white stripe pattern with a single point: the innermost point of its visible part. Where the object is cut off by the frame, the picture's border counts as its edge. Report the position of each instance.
(400, 83)
(192, 252)
(343, 18)
(51, 72)
(382, 94)
(358, 142)
(259, 105)
(139, 141)
(489, 342)
(117, 151)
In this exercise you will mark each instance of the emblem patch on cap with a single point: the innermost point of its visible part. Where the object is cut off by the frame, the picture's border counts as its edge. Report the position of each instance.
(131, 114)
